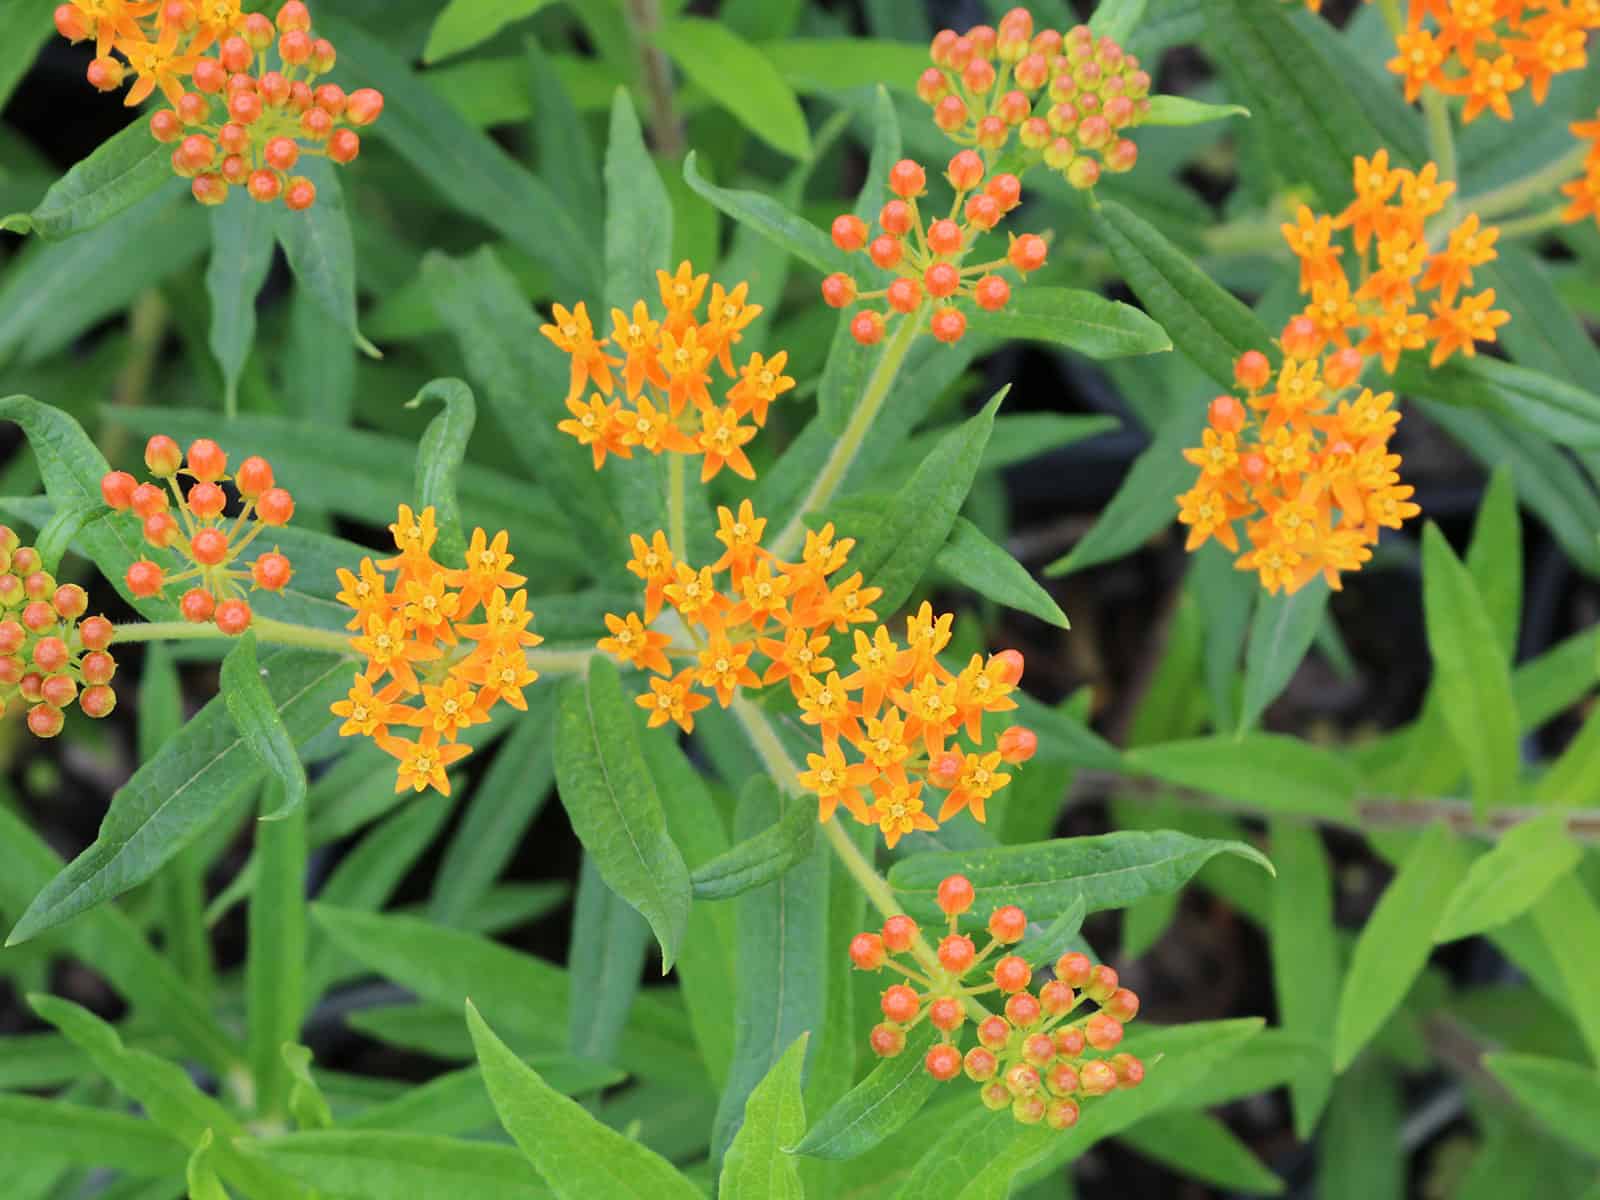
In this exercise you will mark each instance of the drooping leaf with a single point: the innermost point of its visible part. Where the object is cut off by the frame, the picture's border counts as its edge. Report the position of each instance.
(123, 170)
(463, 24)
(891, 1095)
(1510, 879)
(1270, 771)
(321, 250)
(241, 254)
(757, 1165)
(1281, 632)
(1079, 320)
(759, 859)
(440, 455)
(772, 220)
(255, 716)
(612, 803)
(970, 558)
(1181, 110)
(739, 77)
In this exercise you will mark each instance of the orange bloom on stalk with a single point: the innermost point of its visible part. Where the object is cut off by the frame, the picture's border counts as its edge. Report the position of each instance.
(890, 729)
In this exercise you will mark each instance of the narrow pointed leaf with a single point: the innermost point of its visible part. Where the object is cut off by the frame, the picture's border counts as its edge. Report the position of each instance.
(891, 1095)
(321, 250)
(759, 859)
(739, 77)
(756, 1166)
(1181, 110)
(123, 170)
(255, 715)
(275, 971)
(463, 24)
(1270, 771)
(1305, 957)
(772, 220)
(61, 528)
(440, 454)
(1201, 1146)
(379, 1165)
(1568, 920)
(1281, 632)
(970, 558)
(58, 1131)
(605, 960)
(200, 1175)
(1563, 1095)
(1076, 319)
(241, 254)
(1511, 878)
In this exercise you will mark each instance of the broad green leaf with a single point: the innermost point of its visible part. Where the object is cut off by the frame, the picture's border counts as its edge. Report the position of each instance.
(372, 1164)
(1205, 322)
(971, 559)
(578, 1157)
(275, 971)
(1305, 957)
(440, 454)
(462, 162)
(612, 803)
(175, 795)
(1111, 870)
(1510, 879)
(200, 1175)
(1568, 921)
(1361, 1156)
(740, 78)
(758, 1165)
(1471, 676)
(464, 24)
(321, 250)
(241, 254)
(1181, 110)
(892, 1094)
(123, 170)
(1200, 1145)
(1564, 1096)
(34, 1128)
(772, 220)
(1281, 632)
(1394, 943)
(638, 237)
(1268, 771)
(255, 715)
(762, 858)
(1079, 320)
(56, 535)
(307, 1105)
(1540, 403)
(605, 959)
(1494, 559)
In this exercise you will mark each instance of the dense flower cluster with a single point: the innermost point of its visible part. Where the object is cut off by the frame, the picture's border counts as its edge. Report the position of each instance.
(200, 535)
(900, 712)
(927, 259)
(1070, 97)
(242, 116)
(1583, 193)
(434, 669)
(50, 653)
(1035, 1059)
(1486, 53)
(665, 369)
(1396, 265)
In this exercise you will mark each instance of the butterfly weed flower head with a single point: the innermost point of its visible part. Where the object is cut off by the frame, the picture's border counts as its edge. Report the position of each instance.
(51, 653)
(928, 257)
(1042, 1056)
(191, 531)
(1070, 98)
(443, 646)
(652, 375)
(246, 102)
(897, 727)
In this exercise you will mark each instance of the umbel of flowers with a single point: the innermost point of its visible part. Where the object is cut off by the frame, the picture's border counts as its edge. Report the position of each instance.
(207, 545)
(928, 258)
(51, 654)
(1034, 1057)
(1071, 98)
(242, 115)
(897, 726)
(664, 366)
(430, 667)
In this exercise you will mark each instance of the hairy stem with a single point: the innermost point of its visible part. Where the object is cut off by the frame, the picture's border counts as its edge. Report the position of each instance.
(666, 127)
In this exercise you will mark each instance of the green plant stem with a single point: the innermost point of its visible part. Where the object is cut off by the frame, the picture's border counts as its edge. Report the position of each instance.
(677, 535)
(666, 127)
(1519, 192)
(1533, 224)
(849, 444)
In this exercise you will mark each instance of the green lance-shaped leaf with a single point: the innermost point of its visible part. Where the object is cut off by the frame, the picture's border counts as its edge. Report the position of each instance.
(463, 24)
(1266, 770)
(122, 171)
(578, 1157)
(891, 1094)
(241, 254)
(1044, 944)
(1563, 1095)
(440, 453)
(175, 795)
(1541, 403)
(1181, 110)
(275, 972)
(1108, 871)
(971, 559)
(1568, 920)
(1203, 320)
(307, 1104)
(762, 858)
(638, 211)
(1511, 878)
(1471, 676)
(255, 716)
(1281, 632)
(56, 1131)
(1305, 958)
(1394, 944)
(612, 803)
(740, 78)
(1078, 320)
(605, 958)
(61, 528)
(772, 220)
(200, 1174)
(758, 1165)
(370, 1164)
(321, 250)
(564, 152)
(1199, 1145)
(1117, 19)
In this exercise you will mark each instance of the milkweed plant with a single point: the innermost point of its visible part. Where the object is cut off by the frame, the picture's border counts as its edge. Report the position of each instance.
(639, 410)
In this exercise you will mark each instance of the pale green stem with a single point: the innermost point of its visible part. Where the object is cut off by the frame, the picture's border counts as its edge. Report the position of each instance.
(1532, 225)
(677, 534)
(848, 446)
(1519, 192)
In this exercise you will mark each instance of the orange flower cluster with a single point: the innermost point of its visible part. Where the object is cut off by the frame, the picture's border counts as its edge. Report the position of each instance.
(900, 712)
(927, 259)
(1087, 94)
(1387, 217)
(444, 672)
(50, 653)
(665, 368)
(1033, 1060)
(234, 127)
(1308, 460)
(1584, 192)
(201, 533)
(1487, 52)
